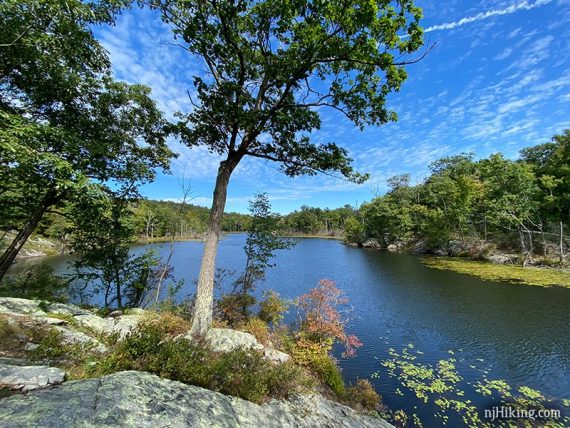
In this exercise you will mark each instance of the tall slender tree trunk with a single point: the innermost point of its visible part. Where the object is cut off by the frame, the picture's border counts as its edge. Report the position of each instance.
(203, 305)
(561, 243)
(14, 248)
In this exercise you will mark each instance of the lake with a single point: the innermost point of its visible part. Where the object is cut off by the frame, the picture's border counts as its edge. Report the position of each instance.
(493, 330)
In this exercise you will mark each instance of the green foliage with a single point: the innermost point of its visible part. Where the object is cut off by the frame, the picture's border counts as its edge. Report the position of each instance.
(242, 373)
(105, 228)
(36, 281)
(272, 308)
(363, 395)
(354, 230)
(262, 241)
(162, 219)
(315, 356)
(316, 221)
(464, 204)
(63, 120)
(551, 163)
(258, 88)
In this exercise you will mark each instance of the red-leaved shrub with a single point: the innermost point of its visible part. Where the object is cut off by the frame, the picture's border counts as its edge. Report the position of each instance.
(323, 316)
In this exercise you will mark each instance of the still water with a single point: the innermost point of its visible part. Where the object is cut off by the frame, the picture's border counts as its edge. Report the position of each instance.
(517, 333)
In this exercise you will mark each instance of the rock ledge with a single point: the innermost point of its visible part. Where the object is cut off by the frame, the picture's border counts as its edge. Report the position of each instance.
(138, 399)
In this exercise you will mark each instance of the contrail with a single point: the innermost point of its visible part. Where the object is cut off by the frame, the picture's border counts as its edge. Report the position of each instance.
(484, 15)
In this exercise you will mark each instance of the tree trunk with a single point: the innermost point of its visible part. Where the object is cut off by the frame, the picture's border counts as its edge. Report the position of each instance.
(561, 243)
(523, 247)
(203, 305)
(14, 248)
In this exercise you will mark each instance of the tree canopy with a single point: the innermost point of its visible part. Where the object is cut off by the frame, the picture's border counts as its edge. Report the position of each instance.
(271, 66)
(65, 123)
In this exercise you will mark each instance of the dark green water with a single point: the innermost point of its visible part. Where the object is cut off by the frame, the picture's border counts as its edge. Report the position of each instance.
(517, 333)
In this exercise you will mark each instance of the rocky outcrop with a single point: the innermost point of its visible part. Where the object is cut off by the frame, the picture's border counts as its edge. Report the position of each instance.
(27, 378)
(227, 340)
(75, 325)
(137, 399)
(371, 243)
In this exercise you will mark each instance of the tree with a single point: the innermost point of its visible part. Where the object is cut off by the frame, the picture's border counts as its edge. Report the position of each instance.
(272, 65)
(262, 242)
(511, 195)
(353, 230)
(63, 120)
(104, 229)
(551, 163)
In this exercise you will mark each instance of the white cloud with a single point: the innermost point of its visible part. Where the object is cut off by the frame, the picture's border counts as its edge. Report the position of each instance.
(525, 5)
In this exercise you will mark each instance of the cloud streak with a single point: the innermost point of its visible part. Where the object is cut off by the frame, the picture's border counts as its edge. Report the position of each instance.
(525, 5)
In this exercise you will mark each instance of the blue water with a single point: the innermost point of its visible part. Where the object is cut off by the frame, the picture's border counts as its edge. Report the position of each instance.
(518, 333)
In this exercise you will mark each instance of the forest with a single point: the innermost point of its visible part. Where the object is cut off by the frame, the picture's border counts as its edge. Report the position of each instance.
(466, 206)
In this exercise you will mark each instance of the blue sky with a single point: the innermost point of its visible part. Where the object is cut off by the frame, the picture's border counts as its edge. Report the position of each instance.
(497, 81)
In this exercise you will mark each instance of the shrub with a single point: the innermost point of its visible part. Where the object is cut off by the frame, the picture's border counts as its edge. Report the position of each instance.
(321, 319)
(167, 324)
(241, 373)
(52, 349)
(258, 328)
(315, 356)
(363, 395)
(272, 307)
(229, 307)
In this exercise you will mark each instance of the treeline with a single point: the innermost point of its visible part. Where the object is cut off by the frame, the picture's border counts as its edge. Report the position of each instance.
(465, 205)
(316, 221)
(159, 219)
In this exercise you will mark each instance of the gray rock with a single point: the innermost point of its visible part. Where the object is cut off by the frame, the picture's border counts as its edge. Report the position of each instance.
(440, 253)
(53, 321)
(125, 324)
(371, 243)
(16, 306)
(115, 314)
(275, 355)
(61, 308)
(226, 340)
(392, 248)
(500, 259)
(27, 378)
(72, 337)
(95, 323)
(137, 399)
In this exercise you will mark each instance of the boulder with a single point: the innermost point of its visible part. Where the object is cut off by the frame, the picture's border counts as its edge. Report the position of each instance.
(27, 378)
(125, 324)
(393, 248)
(371, 243)
(95, 323)
(115, 314)
(16, 306)
(227, 340)
(61, 308)
(275, 355)
(138, 399)
(73, 337)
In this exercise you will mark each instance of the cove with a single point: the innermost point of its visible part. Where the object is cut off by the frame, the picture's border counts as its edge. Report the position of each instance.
(517, 333)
